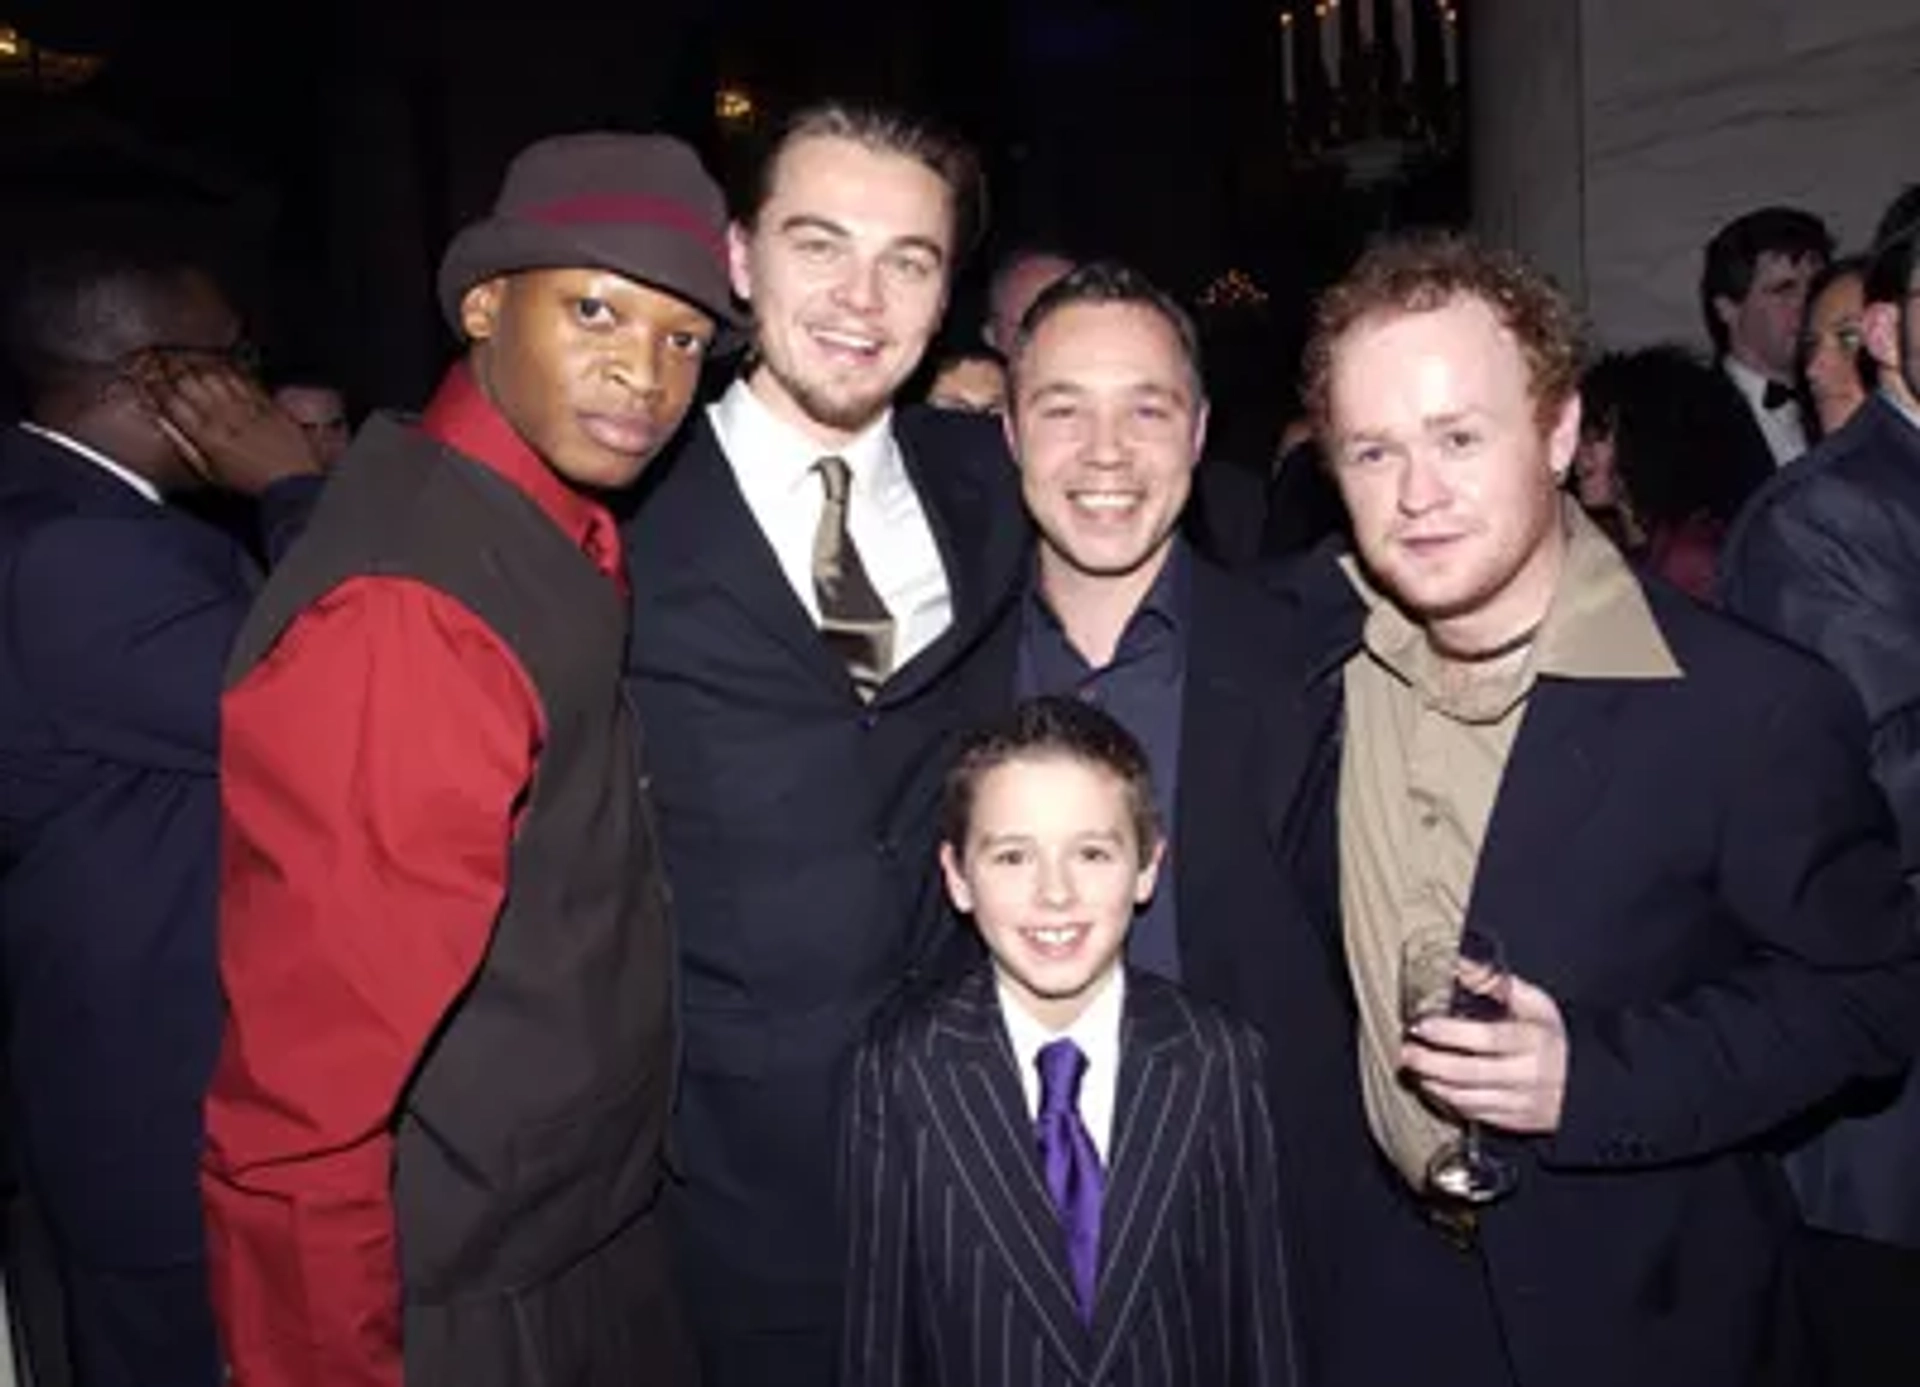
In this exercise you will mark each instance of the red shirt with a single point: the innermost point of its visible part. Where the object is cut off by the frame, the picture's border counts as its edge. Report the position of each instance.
(370, 768)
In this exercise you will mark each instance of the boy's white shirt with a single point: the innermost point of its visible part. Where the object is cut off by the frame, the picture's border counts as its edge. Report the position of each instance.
(1096, 1032)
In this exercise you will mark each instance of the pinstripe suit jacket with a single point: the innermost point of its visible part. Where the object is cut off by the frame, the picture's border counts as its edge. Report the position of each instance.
(958, 1266)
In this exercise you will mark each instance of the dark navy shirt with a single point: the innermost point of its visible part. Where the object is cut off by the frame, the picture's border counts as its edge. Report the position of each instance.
(1142, 689)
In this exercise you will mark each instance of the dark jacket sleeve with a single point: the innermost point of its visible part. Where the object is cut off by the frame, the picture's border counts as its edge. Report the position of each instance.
(1831, 988)
(132, 666)
(1824, 565)
(1267, 1350)
(880, 1343)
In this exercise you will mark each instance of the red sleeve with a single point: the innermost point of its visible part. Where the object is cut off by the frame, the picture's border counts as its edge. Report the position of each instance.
(371, 767)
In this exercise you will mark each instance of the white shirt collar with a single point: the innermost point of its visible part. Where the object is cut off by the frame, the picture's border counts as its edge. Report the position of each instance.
(1096, 1031)
(1750, 382)
(783, 456)
(97, 458)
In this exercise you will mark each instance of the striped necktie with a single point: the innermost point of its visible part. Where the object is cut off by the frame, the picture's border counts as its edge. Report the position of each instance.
(853, 619)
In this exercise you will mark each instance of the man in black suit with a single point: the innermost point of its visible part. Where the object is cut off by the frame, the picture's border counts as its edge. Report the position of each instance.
(1754, 276)
(812, 575)
(1824, 556)
(1669, 822)
(1061, 1168)
(118, 611)
(1108, 420)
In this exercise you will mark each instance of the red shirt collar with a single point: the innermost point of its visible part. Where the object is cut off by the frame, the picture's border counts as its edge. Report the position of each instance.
(464, 419)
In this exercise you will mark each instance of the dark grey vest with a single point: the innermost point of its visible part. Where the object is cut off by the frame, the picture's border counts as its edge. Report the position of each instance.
(531, 1131)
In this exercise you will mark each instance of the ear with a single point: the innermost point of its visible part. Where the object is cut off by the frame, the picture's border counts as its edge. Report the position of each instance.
(957, 889)
(1726, 310)
(1564, 441)
(480, 308)
(1880, 332)
(740, 260)
(1008, 427)
(1201, 416)
(1149, 873)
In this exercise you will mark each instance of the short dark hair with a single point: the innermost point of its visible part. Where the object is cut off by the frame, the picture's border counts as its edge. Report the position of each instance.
(1733, 256)
(1422, 272)
(1902, 215)
(1050, 727)
(885, 130)
(74, 310)
(1890, 267)
(1110, 282)
(1678, 433)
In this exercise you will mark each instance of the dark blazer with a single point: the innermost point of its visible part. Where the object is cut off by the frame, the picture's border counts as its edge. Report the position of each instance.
(1703, 874)
(1246, 941)
(958, 1270)
(115, 618)
(1825, 557)
(798, 826)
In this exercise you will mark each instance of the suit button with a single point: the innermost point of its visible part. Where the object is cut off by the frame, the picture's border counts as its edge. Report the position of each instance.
(869, 720)
(883, 849)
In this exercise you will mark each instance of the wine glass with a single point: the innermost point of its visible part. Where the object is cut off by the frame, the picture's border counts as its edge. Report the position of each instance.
(1462, 973)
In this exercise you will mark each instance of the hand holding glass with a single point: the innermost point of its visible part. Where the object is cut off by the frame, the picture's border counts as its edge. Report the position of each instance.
(1459, 973)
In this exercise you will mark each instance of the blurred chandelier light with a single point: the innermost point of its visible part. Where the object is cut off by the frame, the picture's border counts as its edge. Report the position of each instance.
(733, 106)
(24, 63)
(1232, 289)
(1370, 87)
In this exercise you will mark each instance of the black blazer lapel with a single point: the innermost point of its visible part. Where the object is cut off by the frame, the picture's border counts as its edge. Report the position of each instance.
(986, 1134)
(980, 531)
(698, 513)
(1163, 1084)
(1554, 779)
(1219, 729)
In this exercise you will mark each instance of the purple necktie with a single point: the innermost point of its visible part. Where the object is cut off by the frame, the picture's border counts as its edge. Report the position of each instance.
(1072, 1165)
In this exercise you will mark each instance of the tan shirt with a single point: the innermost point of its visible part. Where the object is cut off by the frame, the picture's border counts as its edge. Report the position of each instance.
(1420, 772)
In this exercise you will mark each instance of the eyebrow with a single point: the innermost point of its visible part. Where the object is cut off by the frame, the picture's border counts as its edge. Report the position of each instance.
(808, 221)
(1104, 835)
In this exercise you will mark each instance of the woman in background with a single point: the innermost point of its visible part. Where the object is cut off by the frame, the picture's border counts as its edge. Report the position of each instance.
(1658, 461)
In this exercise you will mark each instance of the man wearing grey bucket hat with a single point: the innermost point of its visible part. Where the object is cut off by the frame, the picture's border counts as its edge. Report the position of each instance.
(436, 1132)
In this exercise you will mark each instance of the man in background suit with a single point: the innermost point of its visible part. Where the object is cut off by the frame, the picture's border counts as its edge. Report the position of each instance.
(1506, 730)
(811, 577)
(1061, 1168)
(118, 611)
(1108, 422)
(1754, 277)
(1824, 556)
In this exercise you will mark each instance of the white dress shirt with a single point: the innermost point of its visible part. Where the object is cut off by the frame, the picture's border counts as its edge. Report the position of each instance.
(773, 463)
(1785, 430)
(1097, 1033)
(97, 458)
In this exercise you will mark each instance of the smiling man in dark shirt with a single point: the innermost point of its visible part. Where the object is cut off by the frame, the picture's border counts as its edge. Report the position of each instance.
(1107, 418)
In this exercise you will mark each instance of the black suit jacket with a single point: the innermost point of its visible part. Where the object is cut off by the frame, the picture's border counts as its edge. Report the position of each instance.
(798, 825)
(115, 618)
(958, 1274)
(1703, 875)
(1825, 556)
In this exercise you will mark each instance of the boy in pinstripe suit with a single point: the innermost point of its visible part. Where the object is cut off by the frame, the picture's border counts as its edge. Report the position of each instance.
(1060, 1170)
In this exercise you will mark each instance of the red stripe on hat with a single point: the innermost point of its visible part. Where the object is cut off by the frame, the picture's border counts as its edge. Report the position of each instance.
(632, 209)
